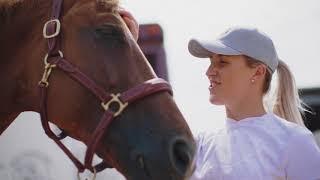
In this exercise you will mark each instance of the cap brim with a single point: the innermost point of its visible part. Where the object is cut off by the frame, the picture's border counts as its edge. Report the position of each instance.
(205, 49)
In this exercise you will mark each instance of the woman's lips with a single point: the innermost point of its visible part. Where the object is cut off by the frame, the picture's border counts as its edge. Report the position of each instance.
(213, 84)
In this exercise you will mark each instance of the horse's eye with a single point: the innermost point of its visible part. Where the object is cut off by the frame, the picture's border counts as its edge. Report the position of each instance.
(110, 34)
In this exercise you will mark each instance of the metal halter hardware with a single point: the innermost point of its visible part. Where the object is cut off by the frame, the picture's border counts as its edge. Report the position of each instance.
(51, 32)
(57, 30)
(115, 98)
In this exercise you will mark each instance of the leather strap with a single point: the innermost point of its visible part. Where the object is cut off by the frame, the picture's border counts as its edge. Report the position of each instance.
(54, 44)
(79, 76)
(49, 132)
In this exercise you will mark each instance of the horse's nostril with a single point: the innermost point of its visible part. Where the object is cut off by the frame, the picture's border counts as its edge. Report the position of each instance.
(181, 155)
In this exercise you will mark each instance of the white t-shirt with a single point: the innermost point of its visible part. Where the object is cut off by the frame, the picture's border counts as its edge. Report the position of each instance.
(258, 148)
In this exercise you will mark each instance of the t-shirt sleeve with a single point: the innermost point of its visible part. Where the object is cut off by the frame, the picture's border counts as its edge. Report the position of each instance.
(302, 158)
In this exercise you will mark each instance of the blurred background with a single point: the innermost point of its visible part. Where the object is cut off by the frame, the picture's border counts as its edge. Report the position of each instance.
(166, 27)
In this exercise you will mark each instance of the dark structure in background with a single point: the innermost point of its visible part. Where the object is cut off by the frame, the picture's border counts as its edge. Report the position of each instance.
(311, 96)
(151, 43)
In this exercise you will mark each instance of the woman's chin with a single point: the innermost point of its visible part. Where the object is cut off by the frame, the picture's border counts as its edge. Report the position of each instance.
(216, 101)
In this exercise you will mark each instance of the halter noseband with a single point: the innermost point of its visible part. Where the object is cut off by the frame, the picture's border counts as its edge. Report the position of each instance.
(51, 32)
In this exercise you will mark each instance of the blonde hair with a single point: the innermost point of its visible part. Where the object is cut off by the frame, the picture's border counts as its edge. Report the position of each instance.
(288, 104)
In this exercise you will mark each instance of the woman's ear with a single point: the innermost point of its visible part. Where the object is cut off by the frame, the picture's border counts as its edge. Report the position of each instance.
(259, 72)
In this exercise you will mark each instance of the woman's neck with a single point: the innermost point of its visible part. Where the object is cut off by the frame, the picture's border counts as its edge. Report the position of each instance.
(249, 107)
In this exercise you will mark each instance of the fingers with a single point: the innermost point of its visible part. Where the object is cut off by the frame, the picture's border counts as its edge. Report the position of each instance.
(126, 13)
(133, 27)
(131, 22)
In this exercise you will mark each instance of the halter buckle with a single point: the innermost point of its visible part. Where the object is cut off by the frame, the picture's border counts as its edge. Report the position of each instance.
(57, 30)
(115, 99)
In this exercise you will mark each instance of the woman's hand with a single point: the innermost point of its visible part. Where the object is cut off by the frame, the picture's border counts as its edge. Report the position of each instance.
(131, 23)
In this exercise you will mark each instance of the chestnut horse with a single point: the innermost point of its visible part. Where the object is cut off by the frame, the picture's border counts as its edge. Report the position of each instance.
(69, 61)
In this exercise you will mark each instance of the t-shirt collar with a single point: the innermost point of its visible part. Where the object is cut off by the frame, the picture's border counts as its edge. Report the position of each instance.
(247, 120)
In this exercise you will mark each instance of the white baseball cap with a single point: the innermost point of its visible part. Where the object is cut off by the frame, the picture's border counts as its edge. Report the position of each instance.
(238, 41)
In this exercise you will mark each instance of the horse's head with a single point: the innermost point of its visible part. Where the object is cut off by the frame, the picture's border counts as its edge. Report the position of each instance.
(149, 139)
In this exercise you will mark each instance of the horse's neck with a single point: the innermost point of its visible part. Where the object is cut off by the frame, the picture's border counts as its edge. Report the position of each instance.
(20, 49)
(21, 23)
(20, 37)
(19, 20)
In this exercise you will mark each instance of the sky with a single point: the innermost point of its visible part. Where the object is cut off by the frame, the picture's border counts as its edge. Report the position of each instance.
(294, 26)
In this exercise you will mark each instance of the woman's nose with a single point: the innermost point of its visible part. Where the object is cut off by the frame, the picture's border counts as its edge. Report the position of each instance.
(211, 71)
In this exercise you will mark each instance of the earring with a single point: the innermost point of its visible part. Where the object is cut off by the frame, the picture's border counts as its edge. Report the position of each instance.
(252, 80)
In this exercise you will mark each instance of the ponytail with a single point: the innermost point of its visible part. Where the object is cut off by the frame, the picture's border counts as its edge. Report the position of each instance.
(288, 104)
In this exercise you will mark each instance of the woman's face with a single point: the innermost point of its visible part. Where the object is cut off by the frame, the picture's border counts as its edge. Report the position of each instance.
(230, 79)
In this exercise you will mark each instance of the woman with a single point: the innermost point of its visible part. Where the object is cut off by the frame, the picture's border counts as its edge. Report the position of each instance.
(254, 144)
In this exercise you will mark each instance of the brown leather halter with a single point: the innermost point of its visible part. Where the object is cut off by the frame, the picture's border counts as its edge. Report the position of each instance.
(51, 32)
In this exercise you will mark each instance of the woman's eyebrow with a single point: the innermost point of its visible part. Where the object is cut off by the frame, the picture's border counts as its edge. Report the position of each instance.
(224, 57)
